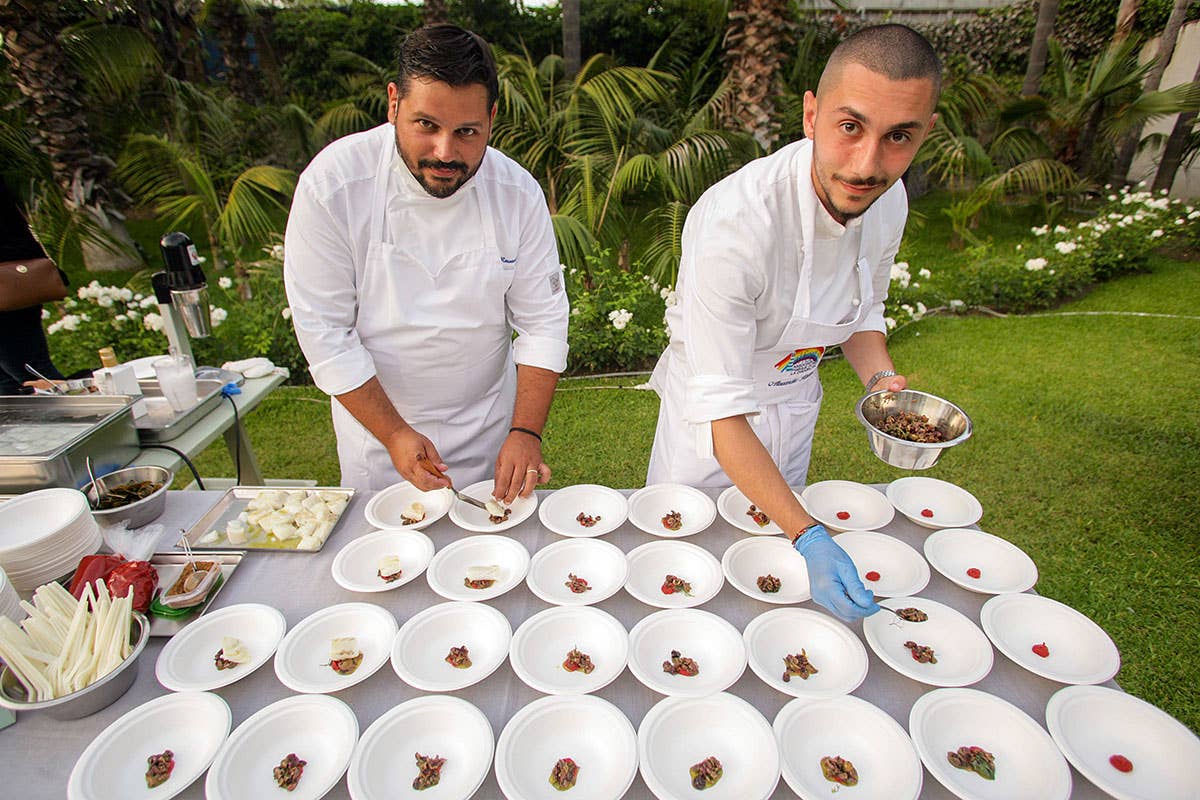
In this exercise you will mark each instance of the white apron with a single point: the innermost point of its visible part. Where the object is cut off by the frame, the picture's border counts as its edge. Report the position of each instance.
(442, 349)
(786, 387)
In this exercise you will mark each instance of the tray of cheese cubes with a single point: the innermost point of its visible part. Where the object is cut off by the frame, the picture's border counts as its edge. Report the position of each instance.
(266, 518)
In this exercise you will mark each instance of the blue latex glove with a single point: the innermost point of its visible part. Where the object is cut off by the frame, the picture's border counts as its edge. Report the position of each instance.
(833, 577)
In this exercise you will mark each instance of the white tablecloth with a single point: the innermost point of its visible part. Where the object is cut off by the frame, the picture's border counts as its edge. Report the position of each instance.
(37, 753)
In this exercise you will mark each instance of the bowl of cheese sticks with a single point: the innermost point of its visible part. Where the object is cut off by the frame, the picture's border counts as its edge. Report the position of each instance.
(70, 658)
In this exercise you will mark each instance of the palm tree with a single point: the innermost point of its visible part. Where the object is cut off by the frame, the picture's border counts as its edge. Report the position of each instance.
(757, 39)
(1047, 11)
(1182, 137)
(572, 56)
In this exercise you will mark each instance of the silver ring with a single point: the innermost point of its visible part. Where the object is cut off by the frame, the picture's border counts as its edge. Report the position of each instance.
(534, 471)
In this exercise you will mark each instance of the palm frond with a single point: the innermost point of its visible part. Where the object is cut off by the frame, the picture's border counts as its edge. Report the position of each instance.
(341, 120)
(113, 60)
(1152, 106)
(661, 256)
(1039, 176)
(574, 239)
(257, 205)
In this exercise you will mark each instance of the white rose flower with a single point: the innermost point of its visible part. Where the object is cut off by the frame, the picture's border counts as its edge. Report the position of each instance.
(1042, 231)
(277, 252)
(1020, 247)
(217, 315)
(125, 295)
(1035, 264)
(957, 304)
(1156, 233)
(671, 298)
(104, 301)
(224, 282)
(921, 309)
(147, 302)
(891, 323)
(620, 318)
(45, 313)
(133, 314)
(71, 303)
(153, 322)
(70, 322)
(287, 312)
(924, 273)
(1060, 230)
(1065, 247)
(1194, 214)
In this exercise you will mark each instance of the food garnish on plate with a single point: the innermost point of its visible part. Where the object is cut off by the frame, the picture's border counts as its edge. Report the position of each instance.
(769, 584)
(921, 653)
(158, 768)
(672, 520)
(912, 614)
(288, 773)
(839, 770)
(587, 520)
(233, 653)
(797, 664)
(429, 771)
(459, 657)
(344, 655)
(974, 759)
(577, 584)
(578, 661)
(482, 577)
(497, 511)
(414, 513)
(673, 584)
(388, 568)
(564, 774)
(759, 516)
(681, 665)
(706, 774)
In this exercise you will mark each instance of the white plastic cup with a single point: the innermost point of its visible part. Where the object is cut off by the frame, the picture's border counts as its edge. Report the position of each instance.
(177, 380)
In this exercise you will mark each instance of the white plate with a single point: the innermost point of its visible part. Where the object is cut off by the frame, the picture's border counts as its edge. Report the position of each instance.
(963, 653)
(448, 569)
(302, 660)
(648, 506)
(733, 506)
(560, 510)
(384, 509)
(838, 655)
(1080, 650)
(356, 566)
(901, 569)
(186, 662)
(601, 564)
(868, 508)
(714, 644)
(590, 731)
(319, 729)
(952, 506)
(650, 564)
(1091, 724)
(449, 727)
(1028, 765)
(542, 642)
(884, 757)
(470, 518)
(746, 560)
(420, 649)
(679, 732)
(1003, 567)
(192, 725)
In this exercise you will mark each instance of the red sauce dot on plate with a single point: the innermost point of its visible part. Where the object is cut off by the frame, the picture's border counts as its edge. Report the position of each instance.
(1041, 650)
(843, 515)
(926, 512)
(872, 575)
(1121, 763)
(974, 572)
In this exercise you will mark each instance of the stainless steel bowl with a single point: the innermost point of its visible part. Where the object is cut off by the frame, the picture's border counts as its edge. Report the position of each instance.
(141, 512)
(90, 699)
(951, 420)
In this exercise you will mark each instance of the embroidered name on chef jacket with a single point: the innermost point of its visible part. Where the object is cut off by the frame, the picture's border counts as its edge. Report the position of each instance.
(801, 362)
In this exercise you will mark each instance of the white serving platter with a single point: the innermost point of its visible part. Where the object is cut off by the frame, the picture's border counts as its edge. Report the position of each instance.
(1080, 652)
(385, 509)
(187, 663)
(847, 506)
(471, 518)
(356, 566)
(963, 653)
(302, 660)
(884, 757)
(1028, 764)
(1003, 567)
(192, 725)
(448, 568)
(747, 560)
(734, 508)
(949, 506)
(650, 563)
(560, 511)
(420, 648)
(601, 564)
(715, 645)
(541, 643)
(648, 506)
(901, 569)
(838, 655)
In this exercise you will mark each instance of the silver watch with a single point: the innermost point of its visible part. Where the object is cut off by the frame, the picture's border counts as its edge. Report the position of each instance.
(883, 373)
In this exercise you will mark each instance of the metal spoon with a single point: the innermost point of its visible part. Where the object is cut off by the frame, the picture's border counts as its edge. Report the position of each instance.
(87, 462)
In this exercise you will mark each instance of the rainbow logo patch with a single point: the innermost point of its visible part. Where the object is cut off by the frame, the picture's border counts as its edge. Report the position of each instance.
(801, 361)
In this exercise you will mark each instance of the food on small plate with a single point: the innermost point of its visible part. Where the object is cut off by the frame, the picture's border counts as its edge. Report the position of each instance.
(232, 653)
(271, 517)
(127, 493)
(459, 657)
(497, 511)
(797, 664)
(673, 584)
(920, 653)
(974, 572)
(706, 773)
(578, 661)
(681, 665)
(158, 768)
(414, 513)
(839, 770)
(1041, 650)
(910, 427)
(193, 584)
(482, 577)
(1120, 763)
(587, 520)
(577, 584)
(138, 578)
(872, 576)
(388, 568)
(843, 515)
(672, 520)
(759, 516)
(564, 774)
(912, 614)
(429, 771)
(288, 773)
(769, 584)
(974, 759)
(344, 655)
(927, 513)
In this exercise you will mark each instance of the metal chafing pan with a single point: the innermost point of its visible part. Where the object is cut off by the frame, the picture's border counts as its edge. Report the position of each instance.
(44, 439)
(169, 565)
(234, 501)
(161, 423)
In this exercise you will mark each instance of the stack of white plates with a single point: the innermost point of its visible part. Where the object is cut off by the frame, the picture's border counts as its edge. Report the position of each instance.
(10, 603)
(43, 535)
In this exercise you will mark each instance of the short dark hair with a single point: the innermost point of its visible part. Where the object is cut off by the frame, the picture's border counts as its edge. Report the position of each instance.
(449, 54)
(894, 51)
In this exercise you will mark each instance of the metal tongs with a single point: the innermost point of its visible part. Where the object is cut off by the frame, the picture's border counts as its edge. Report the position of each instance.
(429, 467)
(196, 586)
(54, 387)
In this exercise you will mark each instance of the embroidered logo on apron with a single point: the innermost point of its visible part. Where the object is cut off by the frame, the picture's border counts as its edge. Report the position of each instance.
(801, 362)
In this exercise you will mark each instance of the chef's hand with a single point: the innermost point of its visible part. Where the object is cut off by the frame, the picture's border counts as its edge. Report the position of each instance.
(519, 467)
(832, 576)
(896, 383)
(417, 460)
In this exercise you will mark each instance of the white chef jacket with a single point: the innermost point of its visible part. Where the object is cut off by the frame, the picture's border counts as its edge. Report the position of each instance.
(739, 289)
(352, 318)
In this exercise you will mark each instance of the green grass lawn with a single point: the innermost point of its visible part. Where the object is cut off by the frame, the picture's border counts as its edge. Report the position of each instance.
(1085, 453)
